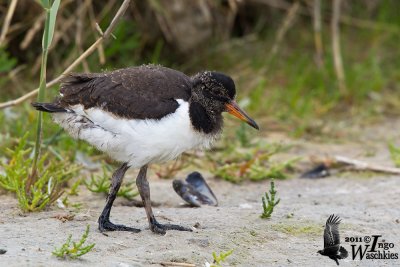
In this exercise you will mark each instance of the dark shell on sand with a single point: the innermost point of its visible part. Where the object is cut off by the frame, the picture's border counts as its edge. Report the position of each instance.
(195, 190)
(319, 171)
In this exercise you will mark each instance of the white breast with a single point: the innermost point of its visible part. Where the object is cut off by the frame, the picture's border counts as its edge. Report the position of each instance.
(137, 142)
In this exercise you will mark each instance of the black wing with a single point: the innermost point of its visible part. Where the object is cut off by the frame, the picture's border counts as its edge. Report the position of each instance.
(331, 232)
(145, 92)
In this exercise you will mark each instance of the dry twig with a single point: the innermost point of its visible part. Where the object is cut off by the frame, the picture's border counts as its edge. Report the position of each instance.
(85, 54)
(32, 31)
(317, 32)
(7, 21)
(337, 55)
(95, 26)
(286, 24)
(79, 32)
(364, 166)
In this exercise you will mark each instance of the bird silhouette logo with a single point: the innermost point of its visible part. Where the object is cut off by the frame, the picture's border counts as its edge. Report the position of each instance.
(332, 248)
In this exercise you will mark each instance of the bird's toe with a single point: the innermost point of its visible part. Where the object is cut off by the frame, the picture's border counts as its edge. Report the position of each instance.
(162, 228)
(109, 226)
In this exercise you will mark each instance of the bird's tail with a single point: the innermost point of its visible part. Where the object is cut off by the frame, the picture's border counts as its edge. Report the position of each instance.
(49, 107)
(343, 253)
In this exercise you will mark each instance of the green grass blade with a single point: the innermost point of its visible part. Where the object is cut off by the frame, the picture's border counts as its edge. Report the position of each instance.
(52, 22)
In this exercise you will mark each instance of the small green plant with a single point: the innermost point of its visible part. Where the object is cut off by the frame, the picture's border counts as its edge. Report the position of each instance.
(74, 188)
(269, 202)
(101, 184)
(254, 163)
(52, 174)
(394, 154)
(98, 184)
(218, 259)
(74, 250)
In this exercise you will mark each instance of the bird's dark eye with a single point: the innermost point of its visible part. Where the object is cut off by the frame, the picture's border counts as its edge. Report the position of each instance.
(211, 95)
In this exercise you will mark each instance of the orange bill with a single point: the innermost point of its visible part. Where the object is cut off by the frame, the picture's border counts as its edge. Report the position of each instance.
(234, 109)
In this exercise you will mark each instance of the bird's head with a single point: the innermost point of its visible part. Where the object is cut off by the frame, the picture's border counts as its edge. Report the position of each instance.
(216, 92)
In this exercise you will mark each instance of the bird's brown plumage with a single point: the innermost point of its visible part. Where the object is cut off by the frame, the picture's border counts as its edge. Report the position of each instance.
(145, 92)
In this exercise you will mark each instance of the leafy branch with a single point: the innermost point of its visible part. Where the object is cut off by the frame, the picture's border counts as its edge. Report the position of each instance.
(218, 259)
(72, 249)
(46, 189)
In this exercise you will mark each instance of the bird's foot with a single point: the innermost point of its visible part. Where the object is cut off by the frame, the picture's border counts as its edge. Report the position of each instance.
(106, 225)
(161, 229)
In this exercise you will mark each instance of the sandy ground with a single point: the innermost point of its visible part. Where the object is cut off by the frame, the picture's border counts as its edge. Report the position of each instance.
(367, 203)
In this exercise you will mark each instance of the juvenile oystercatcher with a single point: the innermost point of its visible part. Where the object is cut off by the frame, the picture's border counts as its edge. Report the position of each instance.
(143, 115)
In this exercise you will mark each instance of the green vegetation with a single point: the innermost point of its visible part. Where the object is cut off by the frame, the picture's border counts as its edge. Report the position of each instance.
(51, 9)
(269, 202)
(219, 259)
(243, 160)
(74, 250)
(41, 186)
(101, 184)
(302, 97)
(394, 154)
(44, 191)
(290, 89)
